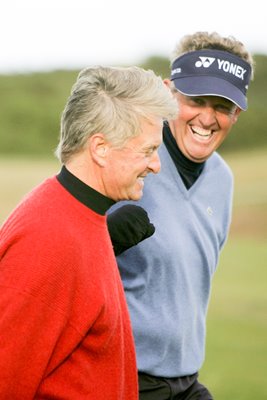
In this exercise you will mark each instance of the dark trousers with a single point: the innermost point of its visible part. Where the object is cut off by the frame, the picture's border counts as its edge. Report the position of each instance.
(184, 388)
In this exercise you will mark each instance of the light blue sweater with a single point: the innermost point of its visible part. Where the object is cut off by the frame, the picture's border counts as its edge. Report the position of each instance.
(167, 278)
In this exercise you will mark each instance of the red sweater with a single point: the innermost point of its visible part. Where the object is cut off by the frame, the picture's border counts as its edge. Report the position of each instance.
(64, 326)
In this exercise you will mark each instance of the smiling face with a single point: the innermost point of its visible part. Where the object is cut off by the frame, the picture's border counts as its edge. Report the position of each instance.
(130, 164)
(202, 124)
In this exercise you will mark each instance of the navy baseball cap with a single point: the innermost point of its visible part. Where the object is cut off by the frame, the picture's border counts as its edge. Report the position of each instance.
(212, 73)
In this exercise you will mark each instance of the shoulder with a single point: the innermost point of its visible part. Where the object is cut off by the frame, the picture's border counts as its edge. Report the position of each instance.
(40, 220)
(217, 164)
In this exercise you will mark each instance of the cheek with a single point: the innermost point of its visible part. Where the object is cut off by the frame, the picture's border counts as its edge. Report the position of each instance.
(227, 123)
(137, 164)
(186, 113)
(123, 174)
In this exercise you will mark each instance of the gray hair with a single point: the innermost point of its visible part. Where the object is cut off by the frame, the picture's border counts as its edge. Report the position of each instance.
(206, 40)
(113, 101)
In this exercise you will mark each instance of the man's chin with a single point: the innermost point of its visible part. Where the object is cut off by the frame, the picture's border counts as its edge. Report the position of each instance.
(136, 195)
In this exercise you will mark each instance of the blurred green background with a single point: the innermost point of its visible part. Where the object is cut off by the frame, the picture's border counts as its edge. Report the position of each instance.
(31, 104)
(236, 359)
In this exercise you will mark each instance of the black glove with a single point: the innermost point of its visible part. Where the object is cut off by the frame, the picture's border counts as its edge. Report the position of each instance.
(128, 225)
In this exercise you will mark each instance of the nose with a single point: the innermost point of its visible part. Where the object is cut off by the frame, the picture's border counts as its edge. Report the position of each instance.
(154, 164)
(208, 117)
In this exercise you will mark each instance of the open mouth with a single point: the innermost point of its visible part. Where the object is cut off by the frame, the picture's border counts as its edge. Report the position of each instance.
(140, 179)
(202, 134)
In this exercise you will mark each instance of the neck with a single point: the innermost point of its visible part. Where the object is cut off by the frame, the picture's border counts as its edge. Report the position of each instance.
(87, 171)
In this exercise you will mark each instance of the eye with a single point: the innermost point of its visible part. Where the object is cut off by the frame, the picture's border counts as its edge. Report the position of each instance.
(225, 108)
(149, 152)
(197, 101)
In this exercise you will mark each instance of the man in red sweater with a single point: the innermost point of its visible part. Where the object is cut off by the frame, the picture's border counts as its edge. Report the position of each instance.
(65, 331)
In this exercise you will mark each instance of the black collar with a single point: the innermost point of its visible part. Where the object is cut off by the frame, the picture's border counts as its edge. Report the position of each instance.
(188, 170)
(84, 193)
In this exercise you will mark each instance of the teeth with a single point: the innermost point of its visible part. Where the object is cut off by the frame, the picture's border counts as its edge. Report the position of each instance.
(141, 182)
(201, 131)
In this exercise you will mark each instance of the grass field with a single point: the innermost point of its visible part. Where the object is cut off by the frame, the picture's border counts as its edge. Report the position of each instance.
(236, 359)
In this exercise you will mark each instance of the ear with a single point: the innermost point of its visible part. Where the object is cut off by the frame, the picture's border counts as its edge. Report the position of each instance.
(236, 114)
(98, 147)
(167, 82)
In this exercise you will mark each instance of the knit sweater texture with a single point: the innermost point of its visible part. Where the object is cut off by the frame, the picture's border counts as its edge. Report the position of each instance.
(167, 277)
(65, 330)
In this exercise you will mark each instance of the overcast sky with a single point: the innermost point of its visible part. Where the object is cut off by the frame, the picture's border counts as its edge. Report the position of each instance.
(54, 34)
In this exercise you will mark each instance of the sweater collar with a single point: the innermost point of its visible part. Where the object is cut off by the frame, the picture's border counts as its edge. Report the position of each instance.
(84, 193)
(189, 170)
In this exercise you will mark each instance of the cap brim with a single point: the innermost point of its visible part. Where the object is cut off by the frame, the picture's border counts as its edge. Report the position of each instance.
(211, 86)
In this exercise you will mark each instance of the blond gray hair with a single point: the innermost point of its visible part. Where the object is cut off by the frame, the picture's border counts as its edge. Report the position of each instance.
(206, 40)
(113, 101)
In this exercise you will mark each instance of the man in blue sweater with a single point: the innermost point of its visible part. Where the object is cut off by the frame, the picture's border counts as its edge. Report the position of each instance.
(167, 277)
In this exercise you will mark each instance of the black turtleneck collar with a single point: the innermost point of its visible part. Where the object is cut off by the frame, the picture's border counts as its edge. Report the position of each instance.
(84, 193)
(188, 169)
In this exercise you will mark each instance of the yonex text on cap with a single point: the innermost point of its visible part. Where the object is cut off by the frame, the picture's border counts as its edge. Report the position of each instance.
(212, 73)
